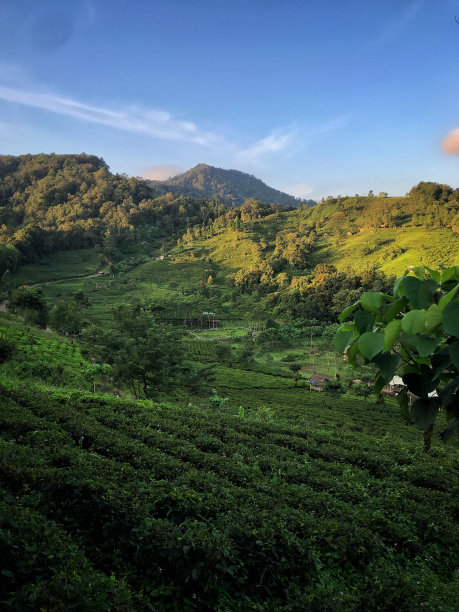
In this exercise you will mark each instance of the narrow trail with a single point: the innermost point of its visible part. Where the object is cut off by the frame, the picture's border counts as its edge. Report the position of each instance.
(58, 280)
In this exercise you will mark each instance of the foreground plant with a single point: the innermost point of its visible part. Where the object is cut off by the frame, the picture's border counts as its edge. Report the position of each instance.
(414, 332)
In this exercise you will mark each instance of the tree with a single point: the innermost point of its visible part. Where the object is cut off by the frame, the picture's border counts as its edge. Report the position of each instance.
(414, 332)
(146, 355)
(30, 304)
(66, 318)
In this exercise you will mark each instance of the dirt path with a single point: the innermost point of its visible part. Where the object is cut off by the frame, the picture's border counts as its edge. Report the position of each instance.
(58, 280)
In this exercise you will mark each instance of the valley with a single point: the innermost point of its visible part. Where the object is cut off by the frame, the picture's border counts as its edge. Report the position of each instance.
(161, 446)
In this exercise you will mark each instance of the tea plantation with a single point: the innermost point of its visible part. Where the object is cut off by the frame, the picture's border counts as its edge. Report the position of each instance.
(109, 504)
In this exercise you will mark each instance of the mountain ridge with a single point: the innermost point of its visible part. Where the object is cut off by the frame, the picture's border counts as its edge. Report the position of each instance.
(231, 186)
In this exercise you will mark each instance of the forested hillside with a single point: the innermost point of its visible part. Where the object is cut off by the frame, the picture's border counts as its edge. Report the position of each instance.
(231, 187)
(60, 202)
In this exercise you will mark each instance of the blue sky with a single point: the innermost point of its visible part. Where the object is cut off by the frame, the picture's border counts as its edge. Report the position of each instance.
(314, 98)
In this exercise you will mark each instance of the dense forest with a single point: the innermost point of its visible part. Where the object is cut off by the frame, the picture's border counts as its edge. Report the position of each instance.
(231, 187)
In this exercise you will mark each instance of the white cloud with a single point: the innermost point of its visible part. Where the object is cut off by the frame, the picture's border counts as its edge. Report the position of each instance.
(299, 190)
(159, 124)
(276, 142)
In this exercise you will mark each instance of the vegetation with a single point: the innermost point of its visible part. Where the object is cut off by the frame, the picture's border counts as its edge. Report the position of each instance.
(415, 330)
(160, 444)
(109, 504)
(231, 187)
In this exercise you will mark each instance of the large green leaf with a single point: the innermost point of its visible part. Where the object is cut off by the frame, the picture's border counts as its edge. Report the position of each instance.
(398, 288)
(446, 299)
(419, 292)
(342, 339)
(393, 310)
(414, 322)
(370, 344)
(347, 311)
(435, 274)
(425, 345)
(419, 271)
(379, 384)
(387, 364)
(441, 361)
(448, 394)
(352, 353)
(391, 333)
(433, 318)
(454, 353)
(372, 301)
(424, 412)
(450, 274)
(364, 321)
(420, 383)
(402, 399)
(450, 316)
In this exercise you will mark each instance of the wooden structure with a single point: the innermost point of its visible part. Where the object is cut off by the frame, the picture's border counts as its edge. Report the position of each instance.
(316, 382)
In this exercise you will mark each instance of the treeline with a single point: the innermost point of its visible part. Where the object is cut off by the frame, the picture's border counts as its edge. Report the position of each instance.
(427, 204)
(57, 202)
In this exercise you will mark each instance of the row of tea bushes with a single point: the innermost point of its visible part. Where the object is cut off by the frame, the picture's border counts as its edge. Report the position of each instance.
(170, 508)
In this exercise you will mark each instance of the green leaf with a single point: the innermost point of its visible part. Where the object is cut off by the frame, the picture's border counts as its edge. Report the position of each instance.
(419, 272)
(454, 353)
(347, 311)
(364, 321)
(370, 344)
(425, 345)
(433, 318)
(342, 339)
(379, 384)
(440, 360)
(394, 309)
(398, 287)
(424, 412)
(435, 274)
(391, 333)
(372, 301)
(387, 364)
(419, 292)
(402, 399)
(450, 316)
(422, 383)
(448, 432)
(450, 274)
(352, 353)
(414, 322)
(448, 394)
(446, 299)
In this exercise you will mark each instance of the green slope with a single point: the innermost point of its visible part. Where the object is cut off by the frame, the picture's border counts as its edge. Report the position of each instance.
(115, 505)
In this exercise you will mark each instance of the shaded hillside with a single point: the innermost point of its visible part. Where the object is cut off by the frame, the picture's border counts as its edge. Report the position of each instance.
(231, 186)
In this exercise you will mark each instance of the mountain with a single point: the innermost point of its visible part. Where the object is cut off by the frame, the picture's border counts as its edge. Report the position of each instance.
(232, 186)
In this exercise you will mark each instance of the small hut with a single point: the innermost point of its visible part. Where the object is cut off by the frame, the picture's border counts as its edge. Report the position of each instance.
(316, 382)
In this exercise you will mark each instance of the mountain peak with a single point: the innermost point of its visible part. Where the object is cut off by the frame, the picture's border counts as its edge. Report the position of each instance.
(233, 187)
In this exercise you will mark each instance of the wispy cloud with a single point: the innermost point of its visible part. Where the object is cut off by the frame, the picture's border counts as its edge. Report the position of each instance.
(276, 142)
(159, 124)
(289, 140)
(396, 26)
